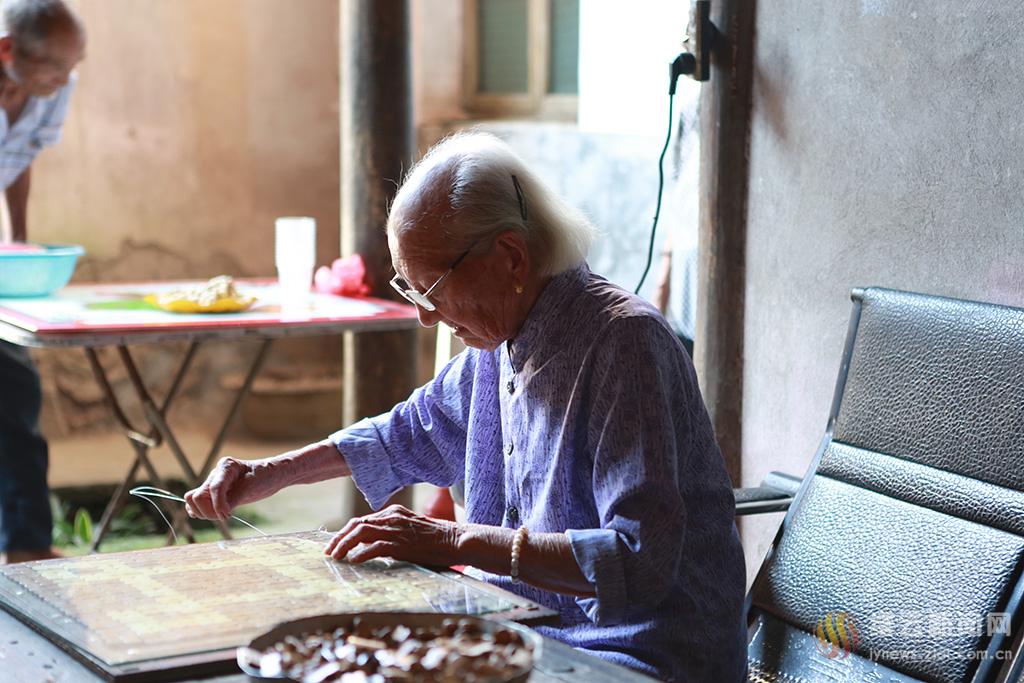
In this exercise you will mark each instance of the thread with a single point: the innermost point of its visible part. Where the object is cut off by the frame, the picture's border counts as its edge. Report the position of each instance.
(147, 493)
(146, 496)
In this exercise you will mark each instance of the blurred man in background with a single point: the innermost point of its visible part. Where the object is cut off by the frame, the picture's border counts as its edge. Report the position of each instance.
(41, 43)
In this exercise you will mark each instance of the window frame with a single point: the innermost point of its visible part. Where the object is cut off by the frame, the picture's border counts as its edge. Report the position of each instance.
(537, 102)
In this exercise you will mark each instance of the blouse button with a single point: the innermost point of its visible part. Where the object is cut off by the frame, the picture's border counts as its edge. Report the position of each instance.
(513, 514)
(511, 386)
(511, 447)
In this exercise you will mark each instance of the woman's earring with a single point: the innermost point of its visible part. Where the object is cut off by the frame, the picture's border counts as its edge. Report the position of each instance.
(519, 289)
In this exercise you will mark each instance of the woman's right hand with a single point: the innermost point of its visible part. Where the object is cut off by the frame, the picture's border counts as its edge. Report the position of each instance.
(237, 482)
(230, 484)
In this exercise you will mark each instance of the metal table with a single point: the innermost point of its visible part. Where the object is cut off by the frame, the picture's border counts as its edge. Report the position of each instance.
(95, 315)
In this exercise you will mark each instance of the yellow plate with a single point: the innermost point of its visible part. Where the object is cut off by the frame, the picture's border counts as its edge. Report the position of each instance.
(223, 305)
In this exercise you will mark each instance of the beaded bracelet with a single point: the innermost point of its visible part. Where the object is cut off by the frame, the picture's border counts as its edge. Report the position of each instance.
(518, 541)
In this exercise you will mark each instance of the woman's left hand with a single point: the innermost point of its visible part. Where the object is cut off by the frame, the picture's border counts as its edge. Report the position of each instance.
(399, 533)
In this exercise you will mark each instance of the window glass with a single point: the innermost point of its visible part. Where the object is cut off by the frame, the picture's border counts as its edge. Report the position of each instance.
(565, 47)
(503, 46)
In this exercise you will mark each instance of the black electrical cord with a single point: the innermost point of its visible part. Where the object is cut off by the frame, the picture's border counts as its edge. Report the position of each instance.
(661, 187)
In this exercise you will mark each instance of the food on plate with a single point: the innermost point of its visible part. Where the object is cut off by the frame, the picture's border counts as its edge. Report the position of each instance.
(218, 295)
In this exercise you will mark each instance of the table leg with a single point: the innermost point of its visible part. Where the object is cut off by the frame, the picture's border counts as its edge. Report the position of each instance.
(177, 513)
(160, 432)
(218, 442)
(157, 419)
(130, 431)
(114, 506)
(153, 414)
(141, 442)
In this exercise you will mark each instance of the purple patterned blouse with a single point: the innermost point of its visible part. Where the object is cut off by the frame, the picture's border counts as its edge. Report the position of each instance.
(589, 422)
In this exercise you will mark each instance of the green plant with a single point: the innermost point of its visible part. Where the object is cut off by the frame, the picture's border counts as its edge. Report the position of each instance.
(136, 526)
(68, 530)
(83, 527)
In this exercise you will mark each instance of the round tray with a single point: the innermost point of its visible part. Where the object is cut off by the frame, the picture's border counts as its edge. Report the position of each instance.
(247, 654)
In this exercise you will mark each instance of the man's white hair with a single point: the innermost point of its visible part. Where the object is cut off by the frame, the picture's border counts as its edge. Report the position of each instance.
(472, 186)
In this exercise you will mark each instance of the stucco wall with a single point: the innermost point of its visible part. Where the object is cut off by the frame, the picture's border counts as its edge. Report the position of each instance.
(194, 124)
(885, 150)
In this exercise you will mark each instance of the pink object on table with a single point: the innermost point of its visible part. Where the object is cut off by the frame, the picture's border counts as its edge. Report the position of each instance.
(345, 277)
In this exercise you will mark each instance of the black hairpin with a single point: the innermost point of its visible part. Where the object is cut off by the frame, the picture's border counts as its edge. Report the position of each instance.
(520, 197)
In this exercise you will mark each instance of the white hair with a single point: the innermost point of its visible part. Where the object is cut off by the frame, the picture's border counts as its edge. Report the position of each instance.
(475, 187)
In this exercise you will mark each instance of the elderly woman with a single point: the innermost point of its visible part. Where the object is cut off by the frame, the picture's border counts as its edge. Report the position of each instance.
(593, 482)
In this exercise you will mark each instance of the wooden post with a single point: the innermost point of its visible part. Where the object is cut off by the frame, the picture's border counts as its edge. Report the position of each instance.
(377, 145)
(725, 110)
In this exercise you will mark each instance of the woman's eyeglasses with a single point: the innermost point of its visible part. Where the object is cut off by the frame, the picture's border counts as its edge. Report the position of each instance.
(423, 299)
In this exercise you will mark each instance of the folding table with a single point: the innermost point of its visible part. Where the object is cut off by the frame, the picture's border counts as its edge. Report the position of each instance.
(96, 315)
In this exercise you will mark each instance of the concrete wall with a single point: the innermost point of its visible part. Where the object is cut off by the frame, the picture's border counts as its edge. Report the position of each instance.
(885, 150)
(194, 124)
